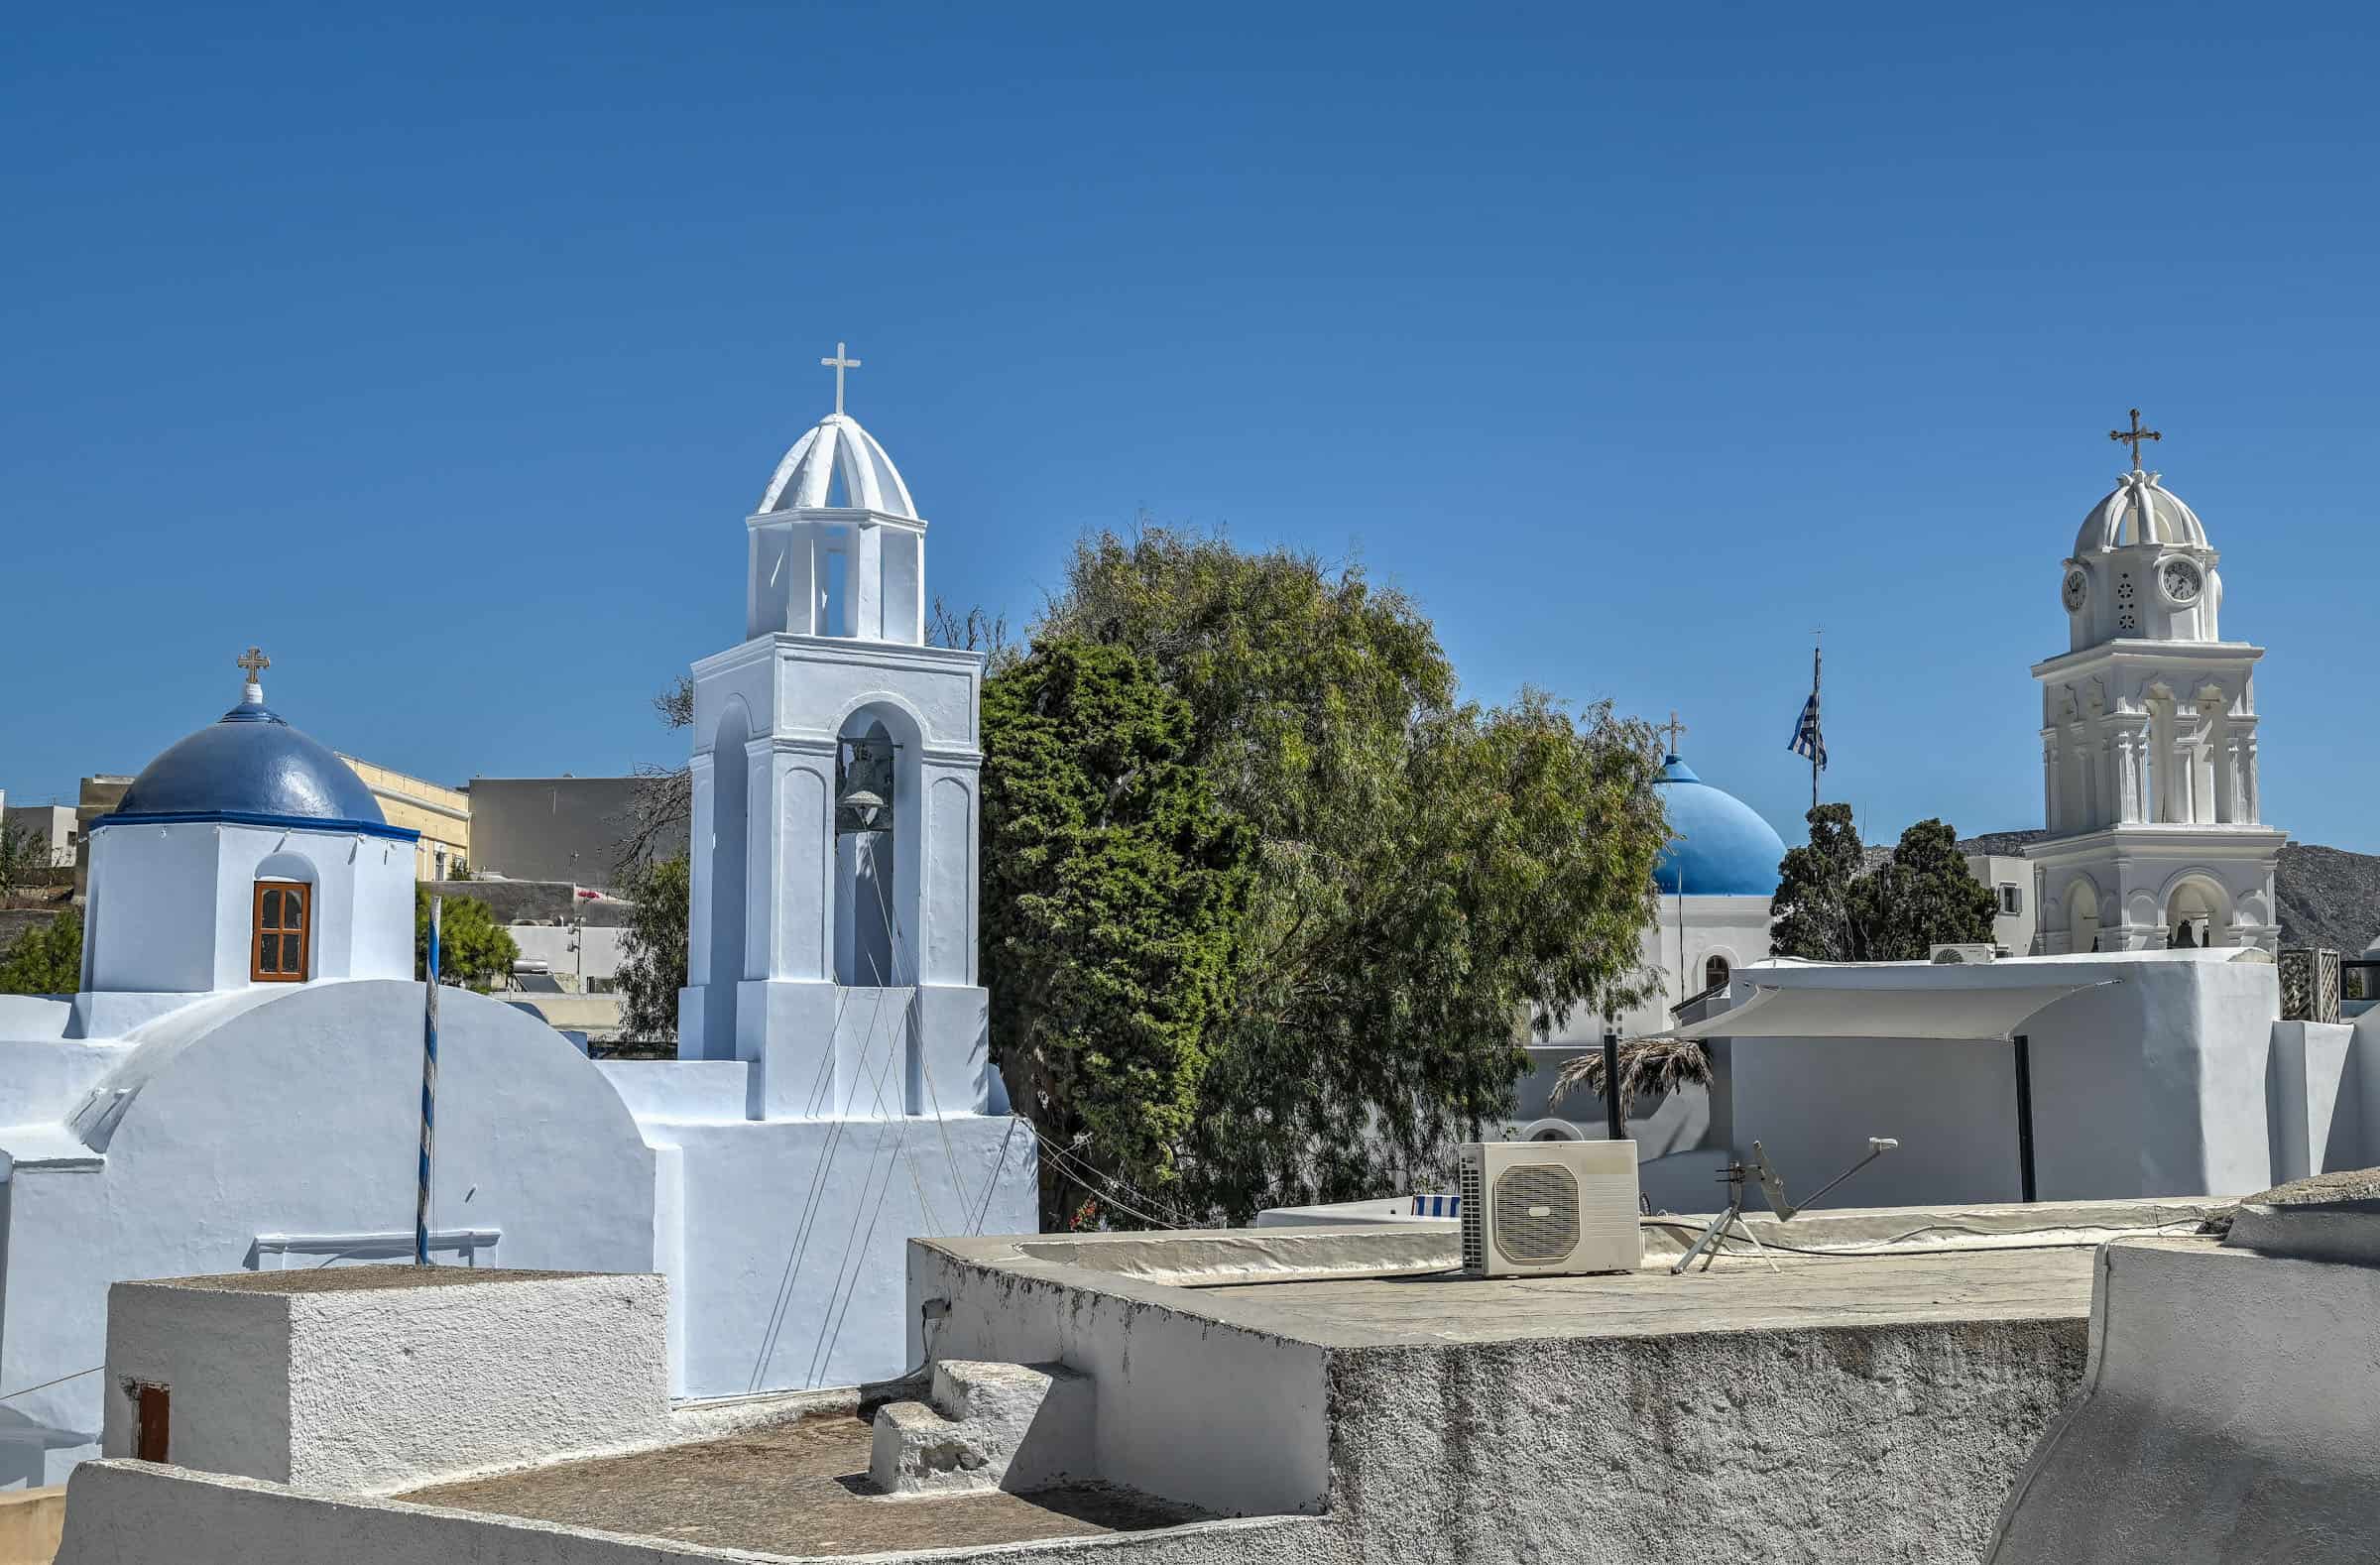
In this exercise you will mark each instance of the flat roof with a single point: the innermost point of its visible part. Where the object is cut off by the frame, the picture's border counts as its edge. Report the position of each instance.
(799, 1488)
(1736, 1295)
(1324, 1287)
(360, 1279)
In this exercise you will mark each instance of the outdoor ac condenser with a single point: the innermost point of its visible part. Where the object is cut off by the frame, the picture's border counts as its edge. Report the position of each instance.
(1535, 1208)
(1962, 955)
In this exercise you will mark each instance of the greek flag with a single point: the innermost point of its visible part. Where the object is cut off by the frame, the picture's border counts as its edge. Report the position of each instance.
(1805, 742)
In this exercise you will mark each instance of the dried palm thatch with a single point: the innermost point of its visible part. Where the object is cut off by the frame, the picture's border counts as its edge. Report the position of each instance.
(1652, 1066)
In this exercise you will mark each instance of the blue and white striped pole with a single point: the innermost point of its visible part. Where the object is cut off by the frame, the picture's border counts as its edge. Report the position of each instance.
(429, 1090)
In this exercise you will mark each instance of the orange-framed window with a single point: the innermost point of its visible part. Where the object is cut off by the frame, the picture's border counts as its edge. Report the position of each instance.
(284, 933)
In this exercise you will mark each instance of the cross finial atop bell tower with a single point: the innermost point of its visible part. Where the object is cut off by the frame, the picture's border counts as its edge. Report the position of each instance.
(839, 363)
(2131, 437)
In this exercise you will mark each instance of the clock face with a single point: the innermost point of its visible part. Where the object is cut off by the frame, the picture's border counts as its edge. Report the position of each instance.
(2077, 587)
(2181, 581)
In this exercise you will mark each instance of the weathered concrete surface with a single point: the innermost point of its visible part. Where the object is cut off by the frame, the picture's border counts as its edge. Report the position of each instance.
(2329, 1217)
(1837, 1445)
(368, 1378)
(1846, 1409)
(132, 1513)
(2228, 1416)
(986, 1426)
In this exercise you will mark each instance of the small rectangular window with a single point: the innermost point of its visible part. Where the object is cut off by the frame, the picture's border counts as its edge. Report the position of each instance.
(2012, 898)
(152, 1422)
(279, 952)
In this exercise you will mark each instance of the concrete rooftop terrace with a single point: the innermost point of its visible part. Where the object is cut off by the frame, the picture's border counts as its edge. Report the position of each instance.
(1386, 1286)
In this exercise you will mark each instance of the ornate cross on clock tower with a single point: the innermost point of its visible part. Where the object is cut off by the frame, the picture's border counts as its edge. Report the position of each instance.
(2131, 437)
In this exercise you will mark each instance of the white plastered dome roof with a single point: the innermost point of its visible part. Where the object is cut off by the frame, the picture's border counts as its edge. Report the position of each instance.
(838, 447)
(2138, 510)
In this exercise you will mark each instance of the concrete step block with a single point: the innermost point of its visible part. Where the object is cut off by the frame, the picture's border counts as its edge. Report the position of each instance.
(988, 1425)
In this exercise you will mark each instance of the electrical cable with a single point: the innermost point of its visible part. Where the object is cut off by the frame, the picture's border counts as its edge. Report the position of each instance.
(1933, 1250)
(46, 1385)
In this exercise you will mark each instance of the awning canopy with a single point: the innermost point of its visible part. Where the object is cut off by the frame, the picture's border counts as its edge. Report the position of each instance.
(1949, 1014)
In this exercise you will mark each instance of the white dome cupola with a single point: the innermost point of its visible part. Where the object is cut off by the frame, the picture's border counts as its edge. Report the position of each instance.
(2142, 568)
(837, 547)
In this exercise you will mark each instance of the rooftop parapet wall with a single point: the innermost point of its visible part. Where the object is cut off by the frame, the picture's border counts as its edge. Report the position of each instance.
(378, 1379)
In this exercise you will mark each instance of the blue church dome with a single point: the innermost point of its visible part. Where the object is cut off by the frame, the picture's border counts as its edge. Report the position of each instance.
(251, 764)
(1724, 849)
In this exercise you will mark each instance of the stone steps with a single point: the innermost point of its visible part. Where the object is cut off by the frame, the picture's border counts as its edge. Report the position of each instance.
(984, 1426)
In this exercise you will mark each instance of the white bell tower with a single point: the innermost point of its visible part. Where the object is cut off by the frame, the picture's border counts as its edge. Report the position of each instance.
(2149, 742)
(832, 936)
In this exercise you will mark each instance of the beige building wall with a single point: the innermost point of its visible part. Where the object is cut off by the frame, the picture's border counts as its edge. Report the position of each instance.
(442, 814)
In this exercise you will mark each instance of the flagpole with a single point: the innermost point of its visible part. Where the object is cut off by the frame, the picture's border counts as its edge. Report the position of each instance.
(1817, 742)
(429, 1090)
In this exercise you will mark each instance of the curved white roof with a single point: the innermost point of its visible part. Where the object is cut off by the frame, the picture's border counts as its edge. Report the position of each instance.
(2138, 511)
(838, 446)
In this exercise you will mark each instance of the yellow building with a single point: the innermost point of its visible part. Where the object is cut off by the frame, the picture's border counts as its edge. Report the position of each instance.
(442, 814)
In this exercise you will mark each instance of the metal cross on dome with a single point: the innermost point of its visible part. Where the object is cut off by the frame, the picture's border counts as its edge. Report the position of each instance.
(253, 663)
(839, 363)
(2133, 436)
(1673, 727)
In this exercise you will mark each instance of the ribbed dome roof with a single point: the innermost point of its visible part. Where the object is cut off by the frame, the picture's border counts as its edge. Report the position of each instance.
(250, 761)
(2138, 511)
(1725, 848)
(838, 448)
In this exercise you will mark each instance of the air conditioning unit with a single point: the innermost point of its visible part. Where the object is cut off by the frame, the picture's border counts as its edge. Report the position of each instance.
(1537, 1208)
(1962, 955)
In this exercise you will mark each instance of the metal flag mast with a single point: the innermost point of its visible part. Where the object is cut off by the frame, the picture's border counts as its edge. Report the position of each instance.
(429, 1090)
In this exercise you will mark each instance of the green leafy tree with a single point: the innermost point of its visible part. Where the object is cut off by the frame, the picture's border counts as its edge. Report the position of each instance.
(23, 859)
(1812, 910)
(473, 948)
(1114, 886)
(1922, 899)
(653, 946)
(1428, 870)
(46, 959)
(1827, 910)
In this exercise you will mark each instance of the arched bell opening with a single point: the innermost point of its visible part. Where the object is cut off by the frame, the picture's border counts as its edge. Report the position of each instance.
(2197, 913)
(731, 787)
(2083, 917)
(878, 847)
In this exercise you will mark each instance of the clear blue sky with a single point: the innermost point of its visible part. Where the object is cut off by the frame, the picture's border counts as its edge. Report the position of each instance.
(443, 354)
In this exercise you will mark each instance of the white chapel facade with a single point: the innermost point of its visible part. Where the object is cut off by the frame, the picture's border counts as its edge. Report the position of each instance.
(2149, 742)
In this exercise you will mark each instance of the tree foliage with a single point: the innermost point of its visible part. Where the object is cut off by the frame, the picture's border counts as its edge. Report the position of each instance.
(1922, 899)
(1827, 910)
(1430, 871)
(1113, 889)
(652, 947)
(473, 948)
(47, 959)
(1811, 909)
(23, 859)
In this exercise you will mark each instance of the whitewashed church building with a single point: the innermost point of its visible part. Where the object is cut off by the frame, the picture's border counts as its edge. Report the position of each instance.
(238, 1082)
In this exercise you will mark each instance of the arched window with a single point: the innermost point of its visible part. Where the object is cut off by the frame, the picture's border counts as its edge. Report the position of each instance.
(284, 933)
(1716, 972)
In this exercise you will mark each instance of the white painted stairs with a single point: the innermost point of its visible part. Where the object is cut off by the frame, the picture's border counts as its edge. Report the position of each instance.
(986, 1425)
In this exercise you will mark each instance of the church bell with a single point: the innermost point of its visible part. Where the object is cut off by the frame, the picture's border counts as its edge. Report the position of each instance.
(864, 785)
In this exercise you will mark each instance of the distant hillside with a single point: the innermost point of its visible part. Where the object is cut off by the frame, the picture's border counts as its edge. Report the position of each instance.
(2328, 897)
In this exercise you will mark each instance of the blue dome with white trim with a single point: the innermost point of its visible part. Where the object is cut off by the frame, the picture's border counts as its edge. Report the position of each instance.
(1723, 848)
(249, 763)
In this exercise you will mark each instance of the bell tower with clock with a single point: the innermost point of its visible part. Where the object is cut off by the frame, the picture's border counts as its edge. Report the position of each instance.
(2149, 740)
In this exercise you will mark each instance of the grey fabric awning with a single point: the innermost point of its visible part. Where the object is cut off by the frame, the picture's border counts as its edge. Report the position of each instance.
(1994, 1010)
